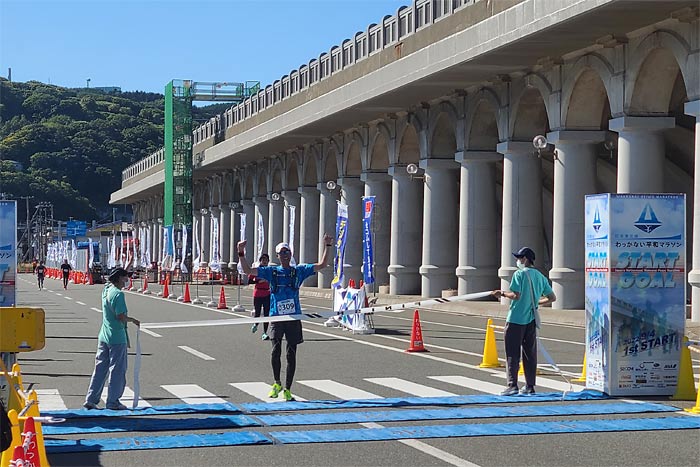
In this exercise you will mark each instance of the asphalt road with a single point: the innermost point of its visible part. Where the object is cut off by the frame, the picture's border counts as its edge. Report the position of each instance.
(223, 360)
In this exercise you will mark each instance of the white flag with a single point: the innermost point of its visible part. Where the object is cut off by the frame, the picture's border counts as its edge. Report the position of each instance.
(196, 253)
(122, 253)
(173, 248)
(261, 236)
(74, 254)
(238, 266)
(183, 267)
(215, 263)
(292, 214)
(91, 254)
(147, 255)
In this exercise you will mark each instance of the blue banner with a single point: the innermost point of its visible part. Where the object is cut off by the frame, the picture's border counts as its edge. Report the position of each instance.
(367, 251)
(341, 238)
(8, 252)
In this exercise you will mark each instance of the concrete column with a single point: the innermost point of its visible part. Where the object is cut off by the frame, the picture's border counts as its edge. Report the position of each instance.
(379, 185)
(308, 229)
(262, 209)
(275, 229)
(640, 153)
(206, 236)
(574, 177)
(234, 226)
(292, 198)
(440, 226)
(225, 232)
(693, 108)
(479, 230)
(351, 191)
(407, 232)
(249, 210)
(327, 213)
(522, 206)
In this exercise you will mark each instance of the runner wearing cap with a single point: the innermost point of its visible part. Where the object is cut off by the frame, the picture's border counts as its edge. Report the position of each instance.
(285, 281)
(112, 344)
(529, 289)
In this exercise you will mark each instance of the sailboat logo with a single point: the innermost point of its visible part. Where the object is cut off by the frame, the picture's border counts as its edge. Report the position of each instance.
(647, 221)
(596, 220)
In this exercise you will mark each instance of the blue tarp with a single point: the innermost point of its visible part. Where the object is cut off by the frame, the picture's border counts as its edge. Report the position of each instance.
(142, 411)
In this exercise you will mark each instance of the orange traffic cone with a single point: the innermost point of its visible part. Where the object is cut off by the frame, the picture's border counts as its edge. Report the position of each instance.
(131, 283)
(145, 290)
(186, 296)
(416, 336)
(351, 283)
(29, 442)
(166, 290)
(92, 282)
(222, 300)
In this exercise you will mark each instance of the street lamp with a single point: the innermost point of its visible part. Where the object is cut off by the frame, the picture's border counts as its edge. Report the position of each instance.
(412, 170)
(331, 185)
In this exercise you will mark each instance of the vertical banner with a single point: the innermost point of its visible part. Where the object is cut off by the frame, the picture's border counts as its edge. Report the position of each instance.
(261, 236)
(122, 257)
(597, 288)
(8, 253)
(111, 262)
(196, 249)
(147, 250)
(73, 254)
(341, 237)
(367, 251)
(173, 248)
(647, 249)
(183, 254)
(91, 254)
(215, 263)
(292, 219)
(242, 237)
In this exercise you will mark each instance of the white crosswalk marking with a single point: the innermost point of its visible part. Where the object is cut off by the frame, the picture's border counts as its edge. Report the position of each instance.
(548, 383)
(127, 398)
(50, 399)
(260, 390)
(79, 302)
(193, 394)
(476, 384)
(410, 387)
(339, 390)
(196, 353)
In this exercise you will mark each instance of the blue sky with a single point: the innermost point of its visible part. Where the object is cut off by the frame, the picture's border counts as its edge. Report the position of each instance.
(143, 44)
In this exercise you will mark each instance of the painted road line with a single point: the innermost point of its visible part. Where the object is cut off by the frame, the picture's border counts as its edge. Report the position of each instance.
(127, 398)
(193, 394)
(260, 390)
(68, 298)
(410, 387)
(150, 333)
(50, 399)
(339, 390)
(196, 353)
(475, 384)
(96, 309)
(79, 303)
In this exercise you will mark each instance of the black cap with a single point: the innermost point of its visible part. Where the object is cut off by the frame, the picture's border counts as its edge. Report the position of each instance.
(117, 273)
(526, 253)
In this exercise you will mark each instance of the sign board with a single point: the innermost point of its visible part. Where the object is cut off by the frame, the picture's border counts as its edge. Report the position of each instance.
(76, 228)
(635, 292)
(8, 253)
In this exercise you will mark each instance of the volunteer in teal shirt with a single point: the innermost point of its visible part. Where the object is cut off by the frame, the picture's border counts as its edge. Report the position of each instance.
(285, 281)
(113, 341)
(529, 289)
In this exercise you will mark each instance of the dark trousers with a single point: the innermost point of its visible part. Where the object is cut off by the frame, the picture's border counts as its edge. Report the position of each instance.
(262, 304)
(277, 364)
(517, 337)
(65, 280)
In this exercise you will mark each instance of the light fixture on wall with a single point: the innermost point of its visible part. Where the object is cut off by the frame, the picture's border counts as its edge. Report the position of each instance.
(609, 145)
(204, 211)
(412, 170)
(275, 196)
(331, 185)
(539, 142)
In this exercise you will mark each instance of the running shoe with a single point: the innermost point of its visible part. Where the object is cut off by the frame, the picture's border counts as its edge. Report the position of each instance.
(275, 391)
(288, 395)
(510, 391)
(527, 390)
(117, 406)
(254, 328)
(265, 337)
(90, 406)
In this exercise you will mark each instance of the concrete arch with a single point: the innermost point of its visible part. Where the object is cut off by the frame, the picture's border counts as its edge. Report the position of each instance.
(260, 183)
(526, 116)
(588, 104)
(291, 181)
(443, 140)
(444, 113)
(643, 79)
(330, 164)
(353, 164)
(409, 151)
(310, 165)
(250, 184)
(236, 187)
(276, 169)
(379, 152)
(580, 75)
(489, 96)
(483, 131)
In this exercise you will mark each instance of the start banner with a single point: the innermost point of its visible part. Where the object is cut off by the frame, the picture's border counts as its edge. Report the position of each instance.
(8, 253)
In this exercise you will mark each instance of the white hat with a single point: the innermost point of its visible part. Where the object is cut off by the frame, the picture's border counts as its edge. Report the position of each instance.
(282, 245)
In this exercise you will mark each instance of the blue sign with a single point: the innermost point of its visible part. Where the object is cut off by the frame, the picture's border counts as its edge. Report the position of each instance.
(367, 252)
(8, 252)
(76, 228)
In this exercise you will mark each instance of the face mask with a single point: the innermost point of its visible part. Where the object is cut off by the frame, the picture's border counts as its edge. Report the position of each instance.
(520, 264)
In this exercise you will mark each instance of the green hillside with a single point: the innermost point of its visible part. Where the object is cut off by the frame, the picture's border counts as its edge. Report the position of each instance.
(69, 146)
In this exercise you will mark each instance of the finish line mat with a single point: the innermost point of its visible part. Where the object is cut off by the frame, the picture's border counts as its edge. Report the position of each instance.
(156, 442)
(113, 425)
(463, 413)
(255, 407)
(489, 429)
(174, 409)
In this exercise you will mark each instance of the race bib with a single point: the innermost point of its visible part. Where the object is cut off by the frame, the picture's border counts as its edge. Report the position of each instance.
(286, 307)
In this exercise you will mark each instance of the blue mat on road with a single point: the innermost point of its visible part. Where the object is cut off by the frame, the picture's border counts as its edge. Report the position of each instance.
(156, 442)
(420, 401)
(488, 429)
(174, 409)
(114, 425)
(462, 413)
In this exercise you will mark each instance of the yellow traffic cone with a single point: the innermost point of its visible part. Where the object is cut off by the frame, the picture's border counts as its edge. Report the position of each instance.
(685, 391)
(521, 371)
(490, 358)
(582, 378)
(696, 409)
